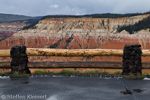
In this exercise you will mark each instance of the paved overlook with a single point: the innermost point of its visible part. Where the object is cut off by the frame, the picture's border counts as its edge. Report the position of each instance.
(76, 33)
(74, 88)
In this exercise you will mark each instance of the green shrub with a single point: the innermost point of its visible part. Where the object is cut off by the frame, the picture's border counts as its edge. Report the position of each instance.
(105, 73)
(6, 72)
(132, 76)
(117, 73)
(69, 71)
(24, 75)
(85, 75)
(146, 73)
(16, 74)
(43, 71)
(92, 72)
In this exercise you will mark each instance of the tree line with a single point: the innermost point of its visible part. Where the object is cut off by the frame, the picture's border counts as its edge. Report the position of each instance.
(143, 24)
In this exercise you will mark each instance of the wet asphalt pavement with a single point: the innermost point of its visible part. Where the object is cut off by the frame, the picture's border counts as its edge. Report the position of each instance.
(73, 88)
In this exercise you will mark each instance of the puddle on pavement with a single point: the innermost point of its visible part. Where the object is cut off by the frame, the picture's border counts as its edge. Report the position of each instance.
(138, 90)
(134, 90)
(124, 92)
(26, 82)
(52, 98)
(21, 80)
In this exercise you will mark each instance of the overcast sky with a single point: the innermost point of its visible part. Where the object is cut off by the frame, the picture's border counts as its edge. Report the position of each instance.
(72, 7)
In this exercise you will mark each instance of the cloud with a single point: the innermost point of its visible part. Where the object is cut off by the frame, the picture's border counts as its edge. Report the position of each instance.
(54, 6)
(72, 7)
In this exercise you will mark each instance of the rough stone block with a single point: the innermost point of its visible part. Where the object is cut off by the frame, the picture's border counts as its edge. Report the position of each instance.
(19, 60)
(132, 59)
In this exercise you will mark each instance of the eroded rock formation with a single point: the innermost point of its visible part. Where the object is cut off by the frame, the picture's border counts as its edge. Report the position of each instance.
(8, 29)
(79, 33)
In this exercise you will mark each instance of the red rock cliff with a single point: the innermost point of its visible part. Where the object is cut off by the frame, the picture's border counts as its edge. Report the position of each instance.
(79, 33)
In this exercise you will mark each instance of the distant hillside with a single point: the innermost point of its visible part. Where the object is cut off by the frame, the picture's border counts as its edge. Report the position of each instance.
(10, 23)
(11, 18)
(105, 15)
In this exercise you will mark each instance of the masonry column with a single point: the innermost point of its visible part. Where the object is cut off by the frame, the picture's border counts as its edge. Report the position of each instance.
(132, 59)
(19, 60)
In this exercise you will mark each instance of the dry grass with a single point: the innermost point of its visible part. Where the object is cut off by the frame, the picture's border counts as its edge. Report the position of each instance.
(5, 72)
(73, 71)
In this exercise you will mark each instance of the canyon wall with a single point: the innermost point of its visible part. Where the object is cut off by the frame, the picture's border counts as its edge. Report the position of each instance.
(79, 33)
(8, 29)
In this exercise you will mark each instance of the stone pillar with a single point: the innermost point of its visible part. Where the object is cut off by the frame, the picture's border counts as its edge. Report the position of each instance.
(132, 60)
(19, 60)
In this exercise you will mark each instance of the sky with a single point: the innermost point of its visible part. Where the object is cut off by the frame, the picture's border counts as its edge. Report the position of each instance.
(72, 7)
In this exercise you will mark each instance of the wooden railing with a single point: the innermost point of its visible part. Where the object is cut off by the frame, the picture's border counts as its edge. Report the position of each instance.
(74, 64)
(66, 52)
(71, 53)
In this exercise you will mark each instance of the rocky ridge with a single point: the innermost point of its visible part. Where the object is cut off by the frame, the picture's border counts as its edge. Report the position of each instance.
(8, 29)
(79, 33)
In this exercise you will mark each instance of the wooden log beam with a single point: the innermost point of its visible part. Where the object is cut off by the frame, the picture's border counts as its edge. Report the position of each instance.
(5, 53)
(5, 64)
(78, 52)
(145, 52)
(75, 64)
(71, 52)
